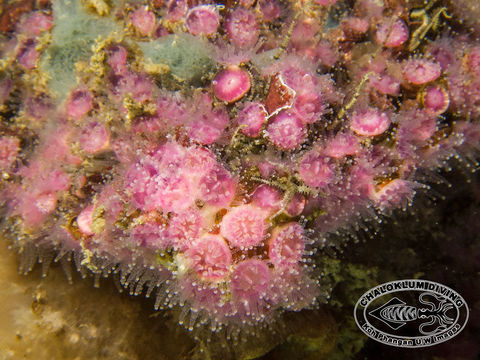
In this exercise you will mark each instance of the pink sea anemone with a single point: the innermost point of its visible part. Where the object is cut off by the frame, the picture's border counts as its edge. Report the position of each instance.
(244, 226)
(421, 71)
(84, 220)
(435, 99)
(250, 287)
(286, 131)
(286, 245)
(369, 122)
(210, 257)
(252, 117)
(231, 84)
(202, 19)
(241, 27)
(316, 170)
(143, 20)
(79, 103)
(392, 33)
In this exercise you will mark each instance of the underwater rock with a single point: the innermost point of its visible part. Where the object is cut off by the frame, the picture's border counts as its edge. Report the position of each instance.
(208, 160)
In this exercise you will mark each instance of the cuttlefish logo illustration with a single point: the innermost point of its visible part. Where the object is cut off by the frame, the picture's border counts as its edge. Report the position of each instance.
(411, 313)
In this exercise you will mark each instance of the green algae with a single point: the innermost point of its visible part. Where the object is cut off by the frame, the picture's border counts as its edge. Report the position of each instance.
(189, 58)
(75, 31)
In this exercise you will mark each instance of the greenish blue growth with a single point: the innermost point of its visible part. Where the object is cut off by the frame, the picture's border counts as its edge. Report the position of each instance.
(75, 31)
(188, 57)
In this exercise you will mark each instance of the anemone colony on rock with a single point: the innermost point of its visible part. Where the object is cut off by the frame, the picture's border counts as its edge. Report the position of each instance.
(205, 152)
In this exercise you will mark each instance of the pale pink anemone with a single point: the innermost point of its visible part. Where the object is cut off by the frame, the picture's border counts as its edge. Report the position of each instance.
(392, 33)
(244, 226)
(421, 71)
(369, 122)
(231, 84)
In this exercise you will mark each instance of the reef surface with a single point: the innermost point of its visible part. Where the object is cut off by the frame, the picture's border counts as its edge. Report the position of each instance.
(213, 156)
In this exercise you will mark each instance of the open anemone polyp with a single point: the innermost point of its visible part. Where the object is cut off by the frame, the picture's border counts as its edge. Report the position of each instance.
(207, 167)
(224, 257)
